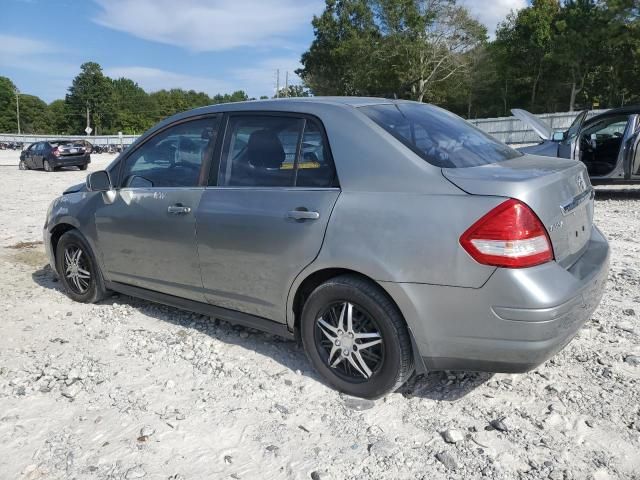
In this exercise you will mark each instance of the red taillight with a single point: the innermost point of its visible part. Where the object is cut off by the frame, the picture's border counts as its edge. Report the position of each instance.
(510, 236)
(56, 152)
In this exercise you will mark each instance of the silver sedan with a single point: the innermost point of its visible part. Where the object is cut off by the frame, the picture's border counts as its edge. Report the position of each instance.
(388, 237)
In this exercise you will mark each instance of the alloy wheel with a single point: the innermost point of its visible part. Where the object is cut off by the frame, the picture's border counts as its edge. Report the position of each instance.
(349, 341)
(22, 165)
(76, 269)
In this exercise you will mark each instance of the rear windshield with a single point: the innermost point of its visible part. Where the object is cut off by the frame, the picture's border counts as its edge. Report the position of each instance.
(440, 137)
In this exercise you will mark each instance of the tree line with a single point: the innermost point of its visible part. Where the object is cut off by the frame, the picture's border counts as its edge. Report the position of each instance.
(551, 56)
(109, 105)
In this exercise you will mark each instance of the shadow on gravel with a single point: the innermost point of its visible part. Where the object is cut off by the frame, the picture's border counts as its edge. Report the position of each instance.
(625, 194)
(45, 277)
(443, 386)
(286, 352)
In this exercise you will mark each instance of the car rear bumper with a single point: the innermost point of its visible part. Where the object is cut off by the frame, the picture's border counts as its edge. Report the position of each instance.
(517, 320)
(70, 161)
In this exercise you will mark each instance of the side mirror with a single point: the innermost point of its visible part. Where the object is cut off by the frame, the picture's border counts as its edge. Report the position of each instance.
(558, 136)
(99, 181)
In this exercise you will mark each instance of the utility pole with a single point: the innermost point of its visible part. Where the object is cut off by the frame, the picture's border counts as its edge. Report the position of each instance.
(88, 126)
(278, 83)
(17, 92)
(286, 83)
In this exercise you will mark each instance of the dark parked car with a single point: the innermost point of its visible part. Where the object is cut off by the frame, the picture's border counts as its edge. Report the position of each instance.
(608, 144)
(54, 154)
(386, 235)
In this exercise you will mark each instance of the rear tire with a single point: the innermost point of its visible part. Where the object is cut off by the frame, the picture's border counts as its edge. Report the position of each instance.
(47, 166)
(368, 358)
(78, 269)
(83, 167)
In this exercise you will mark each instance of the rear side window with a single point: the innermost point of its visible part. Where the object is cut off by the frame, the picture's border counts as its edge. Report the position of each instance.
(275, 151)
(438, 136)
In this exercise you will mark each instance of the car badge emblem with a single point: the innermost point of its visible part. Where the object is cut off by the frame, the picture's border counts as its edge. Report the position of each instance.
(582, 185)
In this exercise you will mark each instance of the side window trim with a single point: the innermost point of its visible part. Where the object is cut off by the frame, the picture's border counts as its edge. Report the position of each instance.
(206, 163)
(214, 177)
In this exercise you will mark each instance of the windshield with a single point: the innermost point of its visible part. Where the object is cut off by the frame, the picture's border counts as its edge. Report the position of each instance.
(438, 136)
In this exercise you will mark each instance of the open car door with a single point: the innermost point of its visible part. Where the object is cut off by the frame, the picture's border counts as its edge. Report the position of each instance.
(569, 147)
(632, 146)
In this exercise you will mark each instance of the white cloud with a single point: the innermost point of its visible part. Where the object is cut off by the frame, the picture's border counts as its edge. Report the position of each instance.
(12, 46)
(492, 12)
(255, 81)
(208, 25)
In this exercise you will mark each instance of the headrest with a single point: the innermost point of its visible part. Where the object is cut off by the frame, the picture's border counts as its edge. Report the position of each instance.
(265, 150)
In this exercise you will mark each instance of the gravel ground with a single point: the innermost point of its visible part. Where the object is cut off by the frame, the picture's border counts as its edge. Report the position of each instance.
(131, 389)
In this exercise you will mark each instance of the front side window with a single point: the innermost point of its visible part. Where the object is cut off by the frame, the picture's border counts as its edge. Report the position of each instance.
(275, 151)
(173, 158)
(438, 136)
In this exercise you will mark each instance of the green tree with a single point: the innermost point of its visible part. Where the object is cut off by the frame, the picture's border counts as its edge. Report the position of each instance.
(527, 39)
(58, 119)
(344, 57)
(34, 115)
(293, 91)
(89, 98)
(134, 110)
(8, 119)
(427, 43)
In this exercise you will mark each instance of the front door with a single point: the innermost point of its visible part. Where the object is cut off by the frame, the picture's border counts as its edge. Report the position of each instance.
(147, 231)
(28, 156)
(633, 156)
(263, 219)
(36, 155)
(570, 145)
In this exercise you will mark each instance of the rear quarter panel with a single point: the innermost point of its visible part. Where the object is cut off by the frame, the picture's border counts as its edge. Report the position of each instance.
(405, 237)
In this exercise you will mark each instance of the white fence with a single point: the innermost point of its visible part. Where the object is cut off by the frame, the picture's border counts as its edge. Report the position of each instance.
(94, 139)
(512, 131)
(509, 130)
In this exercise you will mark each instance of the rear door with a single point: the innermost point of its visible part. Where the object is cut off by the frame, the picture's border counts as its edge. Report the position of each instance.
(263, 219)
(147, 231)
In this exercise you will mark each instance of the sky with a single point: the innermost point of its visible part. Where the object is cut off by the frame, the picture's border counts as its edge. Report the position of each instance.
(215, 46)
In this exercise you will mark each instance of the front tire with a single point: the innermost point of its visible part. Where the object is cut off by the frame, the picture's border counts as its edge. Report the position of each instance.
(83, 167)
(22, 165)
(78, 269)
(356, 338)
(47, 166)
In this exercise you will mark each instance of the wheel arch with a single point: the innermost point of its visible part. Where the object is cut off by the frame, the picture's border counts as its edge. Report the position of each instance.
(57, 232)
(303, 288)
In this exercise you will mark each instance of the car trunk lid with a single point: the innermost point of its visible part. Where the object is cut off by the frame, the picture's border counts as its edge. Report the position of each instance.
(557, 190)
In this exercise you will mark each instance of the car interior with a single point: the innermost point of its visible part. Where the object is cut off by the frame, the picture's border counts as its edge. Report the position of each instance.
(600, 144)
(263, 154)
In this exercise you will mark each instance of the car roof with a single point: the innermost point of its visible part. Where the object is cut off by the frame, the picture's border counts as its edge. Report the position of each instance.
(304, 105)
(352, 101)
(631, 109)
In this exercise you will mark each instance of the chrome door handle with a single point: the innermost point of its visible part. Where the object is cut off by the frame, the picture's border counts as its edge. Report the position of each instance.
(303, 215)
(178, 209)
